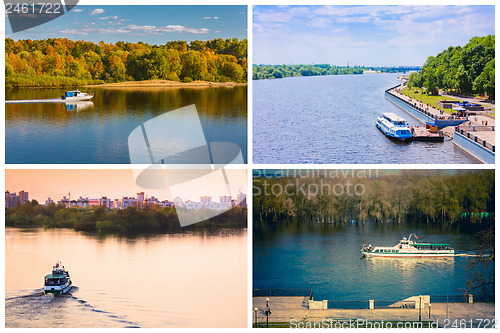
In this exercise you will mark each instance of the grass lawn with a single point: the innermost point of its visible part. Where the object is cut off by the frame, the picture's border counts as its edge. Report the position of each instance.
(419, 95)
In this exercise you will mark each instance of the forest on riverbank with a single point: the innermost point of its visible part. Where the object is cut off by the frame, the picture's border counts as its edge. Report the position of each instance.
(426, 196)
(281, 71)
(261, 72)
(99, 219)
(60, 62)
(464, 70)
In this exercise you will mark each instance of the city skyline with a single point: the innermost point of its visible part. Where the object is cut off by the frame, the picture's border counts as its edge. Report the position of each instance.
(376, 36)
(111, 183)
(141, 197)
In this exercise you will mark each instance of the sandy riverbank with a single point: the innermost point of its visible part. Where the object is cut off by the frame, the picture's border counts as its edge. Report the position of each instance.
(166, 84)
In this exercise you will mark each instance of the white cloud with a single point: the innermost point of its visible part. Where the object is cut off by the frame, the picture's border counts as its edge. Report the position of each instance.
(97, 11)
(135, 30)
(74, 32)
(211, 18)
(168, 28)
(77, 10)
(112, 31)
(108, 18)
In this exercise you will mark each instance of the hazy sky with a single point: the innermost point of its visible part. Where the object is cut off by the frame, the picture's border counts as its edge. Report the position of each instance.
(364, 35)
(150, 24)
(115, 184)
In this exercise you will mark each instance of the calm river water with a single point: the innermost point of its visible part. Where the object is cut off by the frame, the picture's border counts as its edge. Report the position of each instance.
(326, 259)
(51, 134)
(179, 280)
(331, 119)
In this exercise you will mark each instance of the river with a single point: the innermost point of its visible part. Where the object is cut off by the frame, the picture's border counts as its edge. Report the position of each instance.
(331, 119)
(191, 279)
(327, 259)
(53, 133)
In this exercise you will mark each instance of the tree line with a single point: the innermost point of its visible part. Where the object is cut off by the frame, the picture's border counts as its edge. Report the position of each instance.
(431, 197)
(464, 70)
(99, 219)
(261, 72)
(281, 71)
(56, 62)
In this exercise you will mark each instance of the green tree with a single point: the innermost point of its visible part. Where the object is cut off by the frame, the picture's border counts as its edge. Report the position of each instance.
(430, 81)
(485, 83)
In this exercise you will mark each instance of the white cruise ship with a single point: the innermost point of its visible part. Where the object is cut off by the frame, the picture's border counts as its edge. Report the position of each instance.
(394, 126)
(409, 248)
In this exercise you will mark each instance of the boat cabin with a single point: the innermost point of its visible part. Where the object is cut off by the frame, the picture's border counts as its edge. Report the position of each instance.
(55, 280)
(395, 119)
(427, 246)
(72, 93)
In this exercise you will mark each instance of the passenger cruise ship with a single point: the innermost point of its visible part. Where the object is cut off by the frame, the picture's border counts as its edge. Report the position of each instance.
(58, 282)
(409, 248)
(394, 126)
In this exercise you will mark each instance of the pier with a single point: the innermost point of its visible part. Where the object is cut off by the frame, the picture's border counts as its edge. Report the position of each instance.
(474, 136)
(425, 133)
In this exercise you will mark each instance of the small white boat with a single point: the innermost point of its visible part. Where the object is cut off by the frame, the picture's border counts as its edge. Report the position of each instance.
(409, 248)
(76, 95)
(58, 282)
(394, 126)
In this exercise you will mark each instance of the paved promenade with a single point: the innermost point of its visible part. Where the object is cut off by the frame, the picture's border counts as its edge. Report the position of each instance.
(478, 122)
(284, 309)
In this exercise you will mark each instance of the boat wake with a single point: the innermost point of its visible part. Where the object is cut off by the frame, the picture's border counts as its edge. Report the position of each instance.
(469, 255)
(34, 308)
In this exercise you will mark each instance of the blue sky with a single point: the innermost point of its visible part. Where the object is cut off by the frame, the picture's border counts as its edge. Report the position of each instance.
(364, 35)
(150, 24)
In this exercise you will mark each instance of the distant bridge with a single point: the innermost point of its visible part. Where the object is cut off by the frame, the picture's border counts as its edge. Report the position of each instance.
(403, 69)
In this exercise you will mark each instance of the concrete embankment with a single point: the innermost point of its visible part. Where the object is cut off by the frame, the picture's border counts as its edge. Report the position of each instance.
(286, 309)
(478, 148)
(475, 138)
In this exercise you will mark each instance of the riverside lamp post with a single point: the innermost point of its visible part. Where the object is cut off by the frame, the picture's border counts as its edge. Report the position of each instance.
(268, 312)
(255, 310)
(420, 308)
(429, 312)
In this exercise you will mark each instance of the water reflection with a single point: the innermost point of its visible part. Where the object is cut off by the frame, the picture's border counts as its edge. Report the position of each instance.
(189, 279)
(78, 106)
(48, 133)
(327, 259)
(331, 119)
